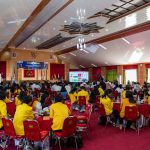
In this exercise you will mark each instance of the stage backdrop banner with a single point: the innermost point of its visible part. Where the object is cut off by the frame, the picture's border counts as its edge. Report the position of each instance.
(29, 73)
(32, 65)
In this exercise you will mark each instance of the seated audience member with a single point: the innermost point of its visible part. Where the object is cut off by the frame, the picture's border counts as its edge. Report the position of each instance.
(23, 112)
(101, 91)
(119, 89)
(83, 92)
(43, 98)
(73, 98)
(3, 108)
(63, 91)
(68, 87)
(58, 112)
(128, 101)
(124, 92)
(36, 105)
(93, 95)
(19, 98)
(147, 98)
(17, 89)
(106, 100)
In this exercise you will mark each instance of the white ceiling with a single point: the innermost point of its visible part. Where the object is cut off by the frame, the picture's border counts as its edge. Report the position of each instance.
(12, 15)
(68, 14)
(117, 52)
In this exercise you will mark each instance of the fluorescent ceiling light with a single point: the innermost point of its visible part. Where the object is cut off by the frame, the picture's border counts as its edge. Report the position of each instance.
(82, 66)
(125, 40)
(16, 21)
(102, 46)
(136, 56)
(72, 54)
(94, 65)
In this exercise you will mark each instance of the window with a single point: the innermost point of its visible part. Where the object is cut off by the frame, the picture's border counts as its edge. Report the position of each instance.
(148, 76)
(131, 75)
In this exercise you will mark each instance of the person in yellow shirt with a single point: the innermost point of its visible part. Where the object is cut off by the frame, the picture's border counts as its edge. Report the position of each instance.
(58, 112)
(124, 92)
(147, 98)
(101, 91)
(73, 98)
(19, 99)
(23, 112)
(36, 105)
(85, 93)
(128, 101)
(107, 102)
(3, 108)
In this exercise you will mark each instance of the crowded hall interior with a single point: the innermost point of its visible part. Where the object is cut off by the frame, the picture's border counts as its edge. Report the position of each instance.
(74, 74)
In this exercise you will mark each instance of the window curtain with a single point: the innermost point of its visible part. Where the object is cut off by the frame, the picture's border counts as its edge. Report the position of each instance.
(111, 75)
(3, 69)
(57, 71)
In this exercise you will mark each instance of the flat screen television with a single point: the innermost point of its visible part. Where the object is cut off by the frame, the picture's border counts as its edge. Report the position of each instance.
(78, 76)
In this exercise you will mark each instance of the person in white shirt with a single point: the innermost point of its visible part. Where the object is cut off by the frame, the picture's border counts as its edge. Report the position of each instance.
(35, 86)
(68, 88)
(56, 88)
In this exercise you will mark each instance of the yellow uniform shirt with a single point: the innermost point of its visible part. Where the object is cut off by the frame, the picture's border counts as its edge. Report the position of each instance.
(58, 112)
(23, 112)
(17, 91)
(101, 91)
(125, 102)
(148, 100)
(108, 105)
(73, 97)
(123, 94)
(84, 93)
(3, 111)
(17, 101)
(6, 100)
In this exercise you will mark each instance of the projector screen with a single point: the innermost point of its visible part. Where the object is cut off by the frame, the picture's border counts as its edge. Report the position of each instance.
(78, 76)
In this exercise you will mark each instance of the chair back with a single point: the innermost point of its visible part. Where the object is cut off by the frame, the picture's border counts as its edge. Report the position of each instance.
(69, 126)
(116, 106)
(131, 113)
(88, 111)
(32, 130)
(11, 108)
(9, 127)
(45, 123)
(144, 109)
(82, 100)
(101, 109)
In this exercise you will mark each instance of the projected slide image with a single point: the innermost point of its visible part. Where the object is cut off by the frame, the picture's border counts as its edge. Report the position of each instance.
(78, 76)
